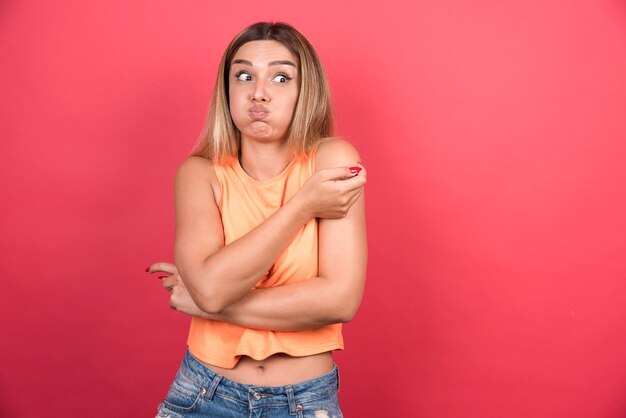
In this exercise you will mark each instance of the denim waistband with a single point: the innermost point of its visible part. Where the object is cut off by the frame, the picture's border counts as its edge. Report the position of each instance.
(258, 396)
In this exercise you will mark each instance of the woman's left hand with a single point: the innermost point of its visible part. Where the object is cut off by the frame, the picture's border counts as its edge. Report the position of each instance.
(180, 299)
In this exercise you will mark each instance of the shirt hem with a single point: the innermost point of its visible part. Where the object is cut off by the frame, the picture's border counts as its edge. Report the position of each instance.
(245, 351)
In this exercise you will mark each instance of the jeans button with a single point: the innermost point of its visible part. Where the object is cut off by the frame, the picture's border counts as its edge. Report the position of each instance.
(256, 396)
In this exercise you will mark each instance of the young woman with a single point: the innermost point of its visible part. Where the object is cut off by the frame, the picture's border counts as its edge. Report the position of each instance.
(270, 241)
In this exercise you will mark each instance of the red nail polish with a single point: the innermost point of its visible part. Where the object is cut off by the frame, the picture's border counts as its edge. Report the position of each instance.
(161, 277)
(147, 269)
(355, 170)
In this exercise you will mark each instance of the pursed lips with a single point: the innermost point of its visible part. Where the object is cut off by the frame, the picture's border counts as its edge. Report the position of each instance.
(258, 112)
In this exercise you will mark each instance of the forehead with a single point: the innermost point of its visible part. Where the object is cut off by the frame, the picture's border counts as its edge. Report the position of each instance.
(262, 52)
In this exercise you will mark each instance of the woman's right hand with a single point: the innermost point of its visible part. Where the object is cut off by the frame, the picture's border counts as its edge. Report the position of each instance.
(330, 192)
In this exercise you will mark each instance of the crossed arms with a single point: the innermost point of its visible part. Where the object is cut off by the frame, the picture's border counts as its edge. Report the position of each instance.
(214, 281)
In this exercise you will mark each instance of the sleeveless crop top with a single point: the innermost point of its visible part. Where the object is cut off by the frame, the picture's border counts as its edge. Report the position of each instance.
(246, 203)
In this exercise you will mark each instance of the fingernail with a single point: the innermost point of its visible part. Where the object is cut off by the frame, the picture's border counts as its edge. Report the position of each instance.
(355, 170)
(147, 269)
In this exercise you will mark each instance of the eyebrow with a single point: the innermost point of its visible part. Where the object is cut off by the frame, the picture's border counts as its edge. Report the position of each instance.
(278, 62)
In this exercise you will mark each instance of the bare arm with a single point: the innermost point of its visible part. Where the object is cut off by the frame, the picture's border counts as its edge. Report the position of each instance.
(332, 297)
(216, 276)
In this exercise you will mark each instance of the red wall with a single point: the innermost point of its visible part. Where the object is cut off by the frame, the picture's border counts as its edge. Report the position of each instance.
(494, 134)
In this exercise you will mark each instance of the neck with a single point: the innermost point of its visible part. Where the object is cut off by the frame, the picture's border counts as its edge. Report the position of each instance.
(264, 161)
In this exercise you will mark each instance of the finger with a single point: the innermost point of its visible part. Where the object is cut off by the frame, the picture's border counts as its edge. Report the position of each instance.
(171, 302)
(354, 183)
(339, 173)
(162, 277)
(361, 175)
(162, 267)
(169, 282)
(362, 171)
(174, 300)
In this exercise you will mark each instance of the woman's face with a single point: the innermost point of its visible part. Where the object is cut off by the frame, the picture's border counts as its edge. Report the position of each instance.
(263, 90)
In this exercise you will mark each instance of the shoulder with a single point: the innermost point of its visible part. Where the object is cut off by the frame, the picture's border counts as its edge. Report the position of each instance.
(195, 167)
(335, 152)
(196, 173)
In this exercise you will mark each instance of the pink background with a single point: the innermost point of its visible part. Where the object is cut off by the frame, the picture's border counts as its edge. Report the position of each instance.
(494, 134)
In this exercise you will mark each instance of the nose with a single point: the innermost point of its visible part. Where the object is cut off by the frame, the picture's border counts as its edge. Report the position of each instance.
(259, 94)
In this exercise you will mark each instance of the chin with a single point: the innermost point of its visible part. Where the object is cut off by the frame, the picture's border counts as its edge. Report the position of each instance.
(265, 136)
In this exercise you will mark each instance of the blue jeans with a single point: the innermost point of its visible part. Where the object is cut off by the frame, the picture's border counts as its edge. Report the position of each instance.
(198, 391)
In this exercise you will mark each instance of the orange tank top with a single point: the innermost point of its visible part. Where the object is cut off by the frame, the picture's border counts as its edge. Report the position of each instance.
(246, 203)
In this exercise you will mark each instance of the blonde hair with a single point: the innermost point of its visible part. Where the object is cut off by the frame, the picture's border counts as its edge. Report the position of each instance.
(313, 116)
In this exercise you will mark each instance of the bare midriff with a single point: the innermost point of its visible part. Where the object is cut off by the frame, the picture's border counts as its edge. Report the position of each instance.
(277, 370)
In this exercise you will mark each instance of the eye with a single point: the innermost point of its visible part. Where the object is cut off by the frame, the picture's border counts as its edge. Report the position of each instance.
(243, 76)
(281, 78)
